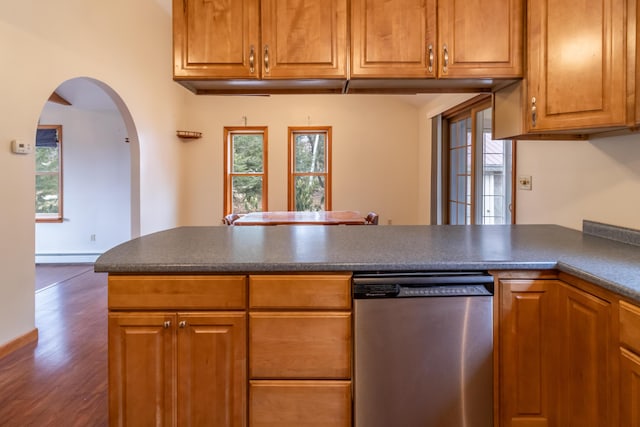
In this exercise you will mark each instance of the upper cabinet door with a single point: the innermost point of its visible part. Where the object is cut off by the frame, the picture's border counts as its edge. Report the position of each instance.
(480, 38)
(393, 38)
(577, 67)
(304, 39)
(216, 38)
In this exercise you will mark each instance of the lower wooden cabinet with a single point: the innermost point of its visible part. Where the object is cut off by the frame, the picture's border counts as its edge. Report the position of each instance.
(586, 382)
(557, 357)
(296, 403)
(300, 350)
(185, 369)
(526, 352)
(181, 348)
(177, 350)
(629, 365)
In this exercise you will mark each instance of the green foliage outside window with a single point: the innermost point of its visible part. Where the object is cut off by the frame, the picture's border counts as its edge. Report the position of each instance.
(47, 180)
(247, 168)
(310, 160)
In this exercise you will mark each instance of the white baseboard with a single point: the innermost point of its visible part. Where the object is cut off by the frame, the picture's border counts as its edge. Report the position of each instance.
(66, 258)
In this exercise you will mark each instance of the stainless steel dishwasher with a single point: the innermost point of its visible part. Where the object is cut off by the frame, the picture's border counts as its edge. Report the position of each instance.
(423, 349)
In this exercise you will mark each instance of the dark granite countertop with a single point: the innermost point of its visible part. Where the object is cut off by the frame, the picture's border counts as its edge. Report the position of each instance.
(612, 264)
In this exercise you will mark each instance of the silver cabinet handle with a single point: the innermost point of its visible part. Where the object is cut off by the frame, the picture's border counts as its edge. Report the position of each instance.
(266, 58)
(430, 50)
(534, 112)
(445, 55)
(252, 59)
(167, 324)
(182, 324)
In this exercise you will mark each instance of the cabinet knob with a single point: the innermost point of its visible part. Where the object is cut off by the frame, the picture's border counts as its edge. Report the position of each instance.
(167, 324)
(252, 59)
(445, 56)
(430, 51)
(534, 112)
(182, 324)
(266, 58)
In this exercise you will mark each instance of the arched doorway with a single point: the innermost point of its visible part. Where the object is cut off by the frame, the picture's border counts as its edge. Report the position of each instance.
(100, 191)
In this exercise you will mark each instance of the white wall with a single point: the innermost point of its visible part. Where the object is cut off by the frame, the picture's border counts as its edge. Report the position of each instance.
(125, 44)
(96, 185)
(574, 180)
(374, 145)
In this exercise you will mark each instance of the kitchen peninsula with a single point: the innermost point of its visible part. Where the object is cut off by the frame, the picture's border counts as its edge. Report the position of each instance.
(258, 319)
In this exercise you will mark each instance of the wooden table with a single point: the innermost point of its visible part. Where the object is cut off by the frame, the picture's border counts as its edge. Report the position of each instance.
(301, 218)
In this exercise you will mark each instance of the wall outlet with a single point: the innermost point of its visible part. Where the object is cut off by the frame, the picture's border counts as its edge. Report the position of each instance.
(92, 238)
(524, 182)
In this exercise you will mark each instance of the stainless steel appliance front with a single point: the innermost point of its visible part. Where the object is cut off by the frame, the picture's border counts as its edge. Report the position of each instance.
(423, 360)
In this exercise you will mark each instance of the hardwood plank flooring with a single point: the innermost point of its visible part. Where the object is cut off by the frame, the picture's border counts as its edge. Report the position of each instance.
(61, 380)
(52, 274)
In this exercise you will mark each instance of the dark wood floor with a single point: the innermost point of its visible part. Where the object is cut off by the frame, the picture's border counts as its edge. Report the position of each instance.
(61, 380)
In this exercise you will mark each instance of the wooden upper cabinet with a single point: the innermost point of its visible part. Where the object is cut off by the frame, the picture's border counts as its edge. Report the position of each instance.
(480, 38)
(216, 38)
(577, 64)
(252, 39)
(304, 39)
(393, 38)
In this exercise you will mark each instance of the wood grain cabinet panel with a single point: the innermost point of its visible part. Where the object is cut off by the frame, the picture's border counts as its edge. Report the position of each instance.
(216, 39)
(141, 366)
(300, 345)
(177, 292)
(629, 365)
(304, 39)
(577, 64)
(212, 369)
(300, 403)
(172, 366)
(268, 39)
(322, 291)
(527, 353)
(393, 38)
(586, 380)
(480, 39)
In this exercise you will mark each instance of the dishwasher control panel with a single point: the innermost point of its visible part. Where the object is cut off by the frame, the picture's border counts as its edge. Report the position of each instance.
(444, 291)
(408, 285)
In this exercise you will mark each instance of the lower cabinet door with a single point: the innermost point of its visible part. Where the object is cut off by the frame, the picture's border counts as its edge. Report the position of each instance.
(629, 388)
(292, 403)
(212, 369)
(141, 366)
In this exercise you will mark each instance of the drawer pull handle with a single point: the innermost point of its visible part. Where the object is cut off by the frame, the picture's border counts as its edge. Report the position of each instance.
(182, 324)
(167, 324)
(266, 58)
(430, 50)
(252, 59)
(445, 54)
(534, 112)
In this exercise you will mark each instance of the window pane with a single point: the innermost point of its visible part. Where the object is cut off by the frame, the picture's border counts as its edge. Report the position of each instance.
(47, 191)
(310, 152)
(246, 193)
(47, 159)
(310, 193)
(247, 153)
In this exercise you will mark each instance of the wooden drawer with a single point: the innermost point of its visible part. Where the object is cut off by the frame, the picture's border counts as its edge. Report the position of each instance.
(301, 345)
(630, 326)
(299, 403)
(321, 291)
(177, 292)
